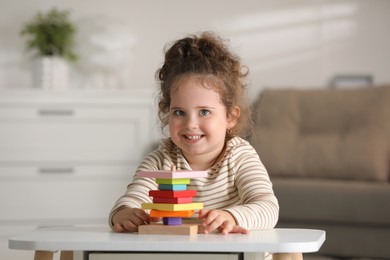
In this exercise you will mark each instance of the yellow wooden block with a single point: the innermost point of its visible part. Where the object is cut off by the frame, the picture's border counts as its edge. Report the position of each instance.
(172, 207)
(173, 181)
(160, 229)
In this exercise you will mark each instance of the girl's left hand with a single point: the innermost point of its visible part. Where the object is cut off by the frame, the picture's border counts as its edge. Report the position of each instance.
(221, 220)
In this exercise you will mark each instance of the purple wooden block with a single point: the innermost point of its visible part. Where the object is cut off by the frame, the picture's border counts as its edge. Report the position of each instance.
(172, 221)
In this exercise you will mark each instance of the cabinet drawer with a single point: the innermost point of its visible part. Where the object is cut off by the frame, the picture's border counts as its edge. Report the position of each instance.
(30, 171)
(64, 197)
(54, 112)
(98, 135)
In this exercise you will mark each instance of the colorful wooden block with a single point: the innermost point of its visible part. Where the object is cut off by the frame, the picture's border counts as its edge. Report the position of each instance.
(173, 200)
(173, 187)
(168, 213)
(173, 181)
(172, 174)
(170, 221)
(172, 194)
(159, 229)
(172, 207)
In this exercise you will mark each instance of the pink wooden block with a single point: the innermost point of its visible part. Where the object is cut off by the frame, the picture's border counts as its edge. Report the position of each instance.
(172, 174)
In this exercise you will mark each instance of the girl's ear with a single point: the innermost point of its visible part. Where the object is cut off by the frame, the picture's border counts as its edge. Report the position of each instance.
(233, 117)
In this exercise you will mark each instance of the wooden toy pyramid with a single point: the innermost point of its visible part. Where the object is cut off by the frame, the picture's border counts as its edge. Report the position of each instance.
(172, 202)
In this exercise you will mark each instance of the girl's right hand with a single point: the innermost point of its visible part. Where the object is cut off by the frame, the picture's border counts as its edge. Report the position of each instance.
(128, 219)
(220, 220)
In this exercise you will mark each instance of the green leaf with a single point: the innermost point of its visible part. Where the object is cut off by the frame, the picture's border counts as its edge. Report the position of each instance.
(51, 34)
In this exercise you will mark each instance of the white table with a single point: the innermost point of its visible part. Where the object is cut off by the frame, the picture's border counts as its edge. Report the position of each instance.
(78, 242)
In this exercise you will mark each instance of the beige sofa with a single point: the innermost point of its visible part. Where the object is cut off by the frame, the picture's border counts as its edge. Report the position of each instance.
(328, 154)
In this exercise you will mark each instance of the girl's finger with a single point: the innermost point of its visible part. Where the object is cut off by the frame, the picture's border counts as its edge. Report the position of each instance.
(118, 228)
(155, 219)
(239, 229)
(130, 227)
(226, 227)
(212, 224)
(202, 213)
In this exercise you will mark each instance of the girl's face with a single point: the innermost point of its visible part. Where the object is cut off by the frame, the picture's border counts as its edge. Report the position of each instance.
(198, 122)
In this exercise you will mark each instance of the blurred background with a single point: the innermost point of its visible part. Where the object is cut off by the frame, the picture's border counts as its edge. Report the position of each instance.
(284, 43)
(67, 154)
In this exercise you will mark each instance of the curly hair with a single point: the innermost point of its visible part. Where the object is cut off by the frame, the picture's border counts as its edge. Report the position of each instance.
(205, 55)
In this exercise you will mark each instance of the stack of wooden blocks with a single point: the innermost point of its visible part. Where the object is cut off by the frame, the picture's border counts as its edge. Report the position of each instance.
(172, 202)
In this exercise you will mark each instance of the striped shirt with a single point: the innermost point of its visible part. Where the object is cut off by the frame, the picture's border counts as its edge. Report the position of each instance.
(238, 183)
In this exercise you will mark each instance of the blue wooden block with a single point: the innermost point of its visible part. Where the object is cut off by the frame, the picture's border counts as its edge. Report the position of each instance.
(172, 221)
(172, 187)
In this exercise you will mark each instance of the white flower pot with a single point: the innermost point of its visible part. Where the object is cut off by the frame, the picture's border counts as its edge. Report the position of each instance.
(50, 73)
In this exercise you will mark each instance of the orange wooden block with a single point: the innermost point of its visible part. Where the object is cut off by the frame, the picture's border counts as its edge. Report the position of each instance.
(160, 229)
(177, 214)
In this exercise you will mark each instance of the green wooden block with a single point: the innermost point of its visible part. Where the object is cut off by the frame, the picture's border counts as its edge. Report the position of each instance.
(173, 181)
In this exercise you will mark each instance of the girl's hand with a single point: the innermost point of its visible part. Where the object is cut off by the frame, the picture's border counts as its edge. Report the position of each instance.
(128, 219)
(221, 220)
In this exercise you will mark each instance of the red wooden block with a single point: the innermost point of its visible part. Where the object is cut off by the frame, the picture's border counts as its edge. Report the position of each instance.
(172, 200)
(172, 194)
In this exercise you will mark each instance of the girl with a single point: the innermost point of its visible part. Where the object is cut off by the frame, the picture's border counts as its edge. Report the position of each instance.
(202, 101)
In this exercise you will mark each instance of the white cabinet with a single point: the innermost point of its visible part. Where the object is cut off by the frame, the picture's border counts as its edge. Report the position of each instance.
(65, 157)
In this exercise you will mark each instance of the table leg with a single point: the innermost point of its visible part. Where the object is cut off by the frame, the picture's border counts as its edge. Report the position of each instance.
(287, 256)
(43, 255)
(66, 255)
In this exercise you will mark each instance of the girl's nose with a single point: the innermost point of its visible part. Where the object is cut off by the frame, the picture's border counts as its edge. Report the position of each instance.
(192, 122)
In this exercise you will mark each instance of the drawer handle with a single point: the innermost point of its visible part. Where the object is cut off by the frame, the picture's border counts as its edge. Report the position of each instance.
(55, 112)
(66, 170)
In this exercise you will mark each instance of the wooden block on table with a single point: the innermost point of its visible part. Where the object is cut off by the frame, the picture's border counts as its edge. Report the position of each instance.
(172, 207)
(173, 181)
(174, 187)
(172, 174)
(173, 200)
(160, 229)
(172, 194)
(169, 213)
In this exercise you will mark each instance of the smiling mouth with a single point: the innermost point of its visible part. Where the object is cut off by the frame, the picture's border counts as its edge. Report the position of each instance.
(193, 137)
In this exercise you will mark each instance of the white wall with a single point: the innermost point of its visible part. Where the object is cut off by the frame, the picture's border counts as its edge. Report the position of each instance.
(300, 43)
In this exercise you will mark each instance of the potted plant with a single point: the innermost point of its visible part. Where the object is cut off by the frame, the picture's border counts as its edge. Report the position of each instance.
(51, 36)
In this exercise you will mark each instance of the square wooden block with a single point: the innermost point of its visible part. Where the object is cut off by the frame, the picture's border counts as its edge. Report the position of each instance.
(160, 229)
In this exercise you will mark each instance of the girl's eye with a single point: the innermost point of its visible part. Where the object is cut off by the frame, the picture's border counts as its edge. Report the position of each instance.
(204, 112)
(178, 112)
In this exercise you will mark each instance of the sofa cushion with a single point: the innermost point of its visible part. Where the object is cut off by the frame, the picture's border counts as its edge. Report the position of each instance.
(327, 201)
(327, 133)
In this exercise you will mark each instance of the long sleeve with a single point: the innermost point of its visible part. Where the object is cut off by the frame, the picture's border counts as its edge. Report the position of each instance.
(259, 208)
